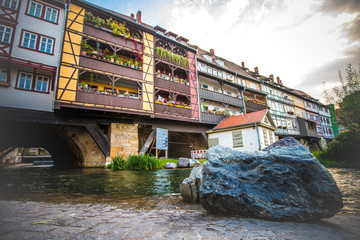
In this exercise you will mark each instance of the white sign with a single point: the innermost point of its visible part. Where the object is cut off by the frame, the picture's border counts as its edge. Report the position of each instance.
(198, 154)
(161, 139)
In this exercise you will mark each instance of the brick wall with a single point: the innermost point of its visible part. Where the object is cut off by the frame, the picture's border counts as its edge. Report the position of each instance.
(123, 139)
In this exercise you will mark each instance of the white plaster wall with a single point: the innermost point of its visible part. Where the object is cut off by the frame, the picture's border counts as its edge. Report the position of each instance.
(11, 97)
(15, 98)
(250, 140)
(41, 27)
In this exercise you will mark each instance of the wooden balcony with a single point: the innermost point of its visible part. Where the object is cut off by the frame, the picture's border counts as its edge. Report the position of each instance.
(219, 97)
(110, 67)
(172, 86)
(305, 130)
(172, 110)
(254, 107)
(114, 101)
(106, 34)
(211, 118)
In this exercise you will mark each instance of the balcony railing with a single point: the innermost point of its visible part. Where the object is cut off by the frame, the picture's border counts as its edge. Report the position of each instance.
(178, 111)
(106, 34)
(254, 107)
(104, 66)
(172, 86)
(114, 101)
(219, 97)
(211, 118)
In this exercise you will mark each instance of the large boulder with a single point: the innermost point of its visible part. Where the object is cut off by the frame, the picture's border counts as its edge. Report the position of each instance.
(285, 182)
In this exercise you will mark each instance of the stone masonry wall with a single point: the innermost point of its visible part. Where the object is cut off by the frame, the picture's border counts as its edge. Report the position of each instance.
(123, 139)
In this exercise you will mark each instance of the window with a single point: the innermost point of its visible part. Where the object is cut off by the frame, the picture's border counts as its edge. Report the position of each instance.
(12, 4)
(271, 135)
(42, 83)
(5, 34)
(25, 80)
(204, 86)
(38, 42)
(253, 85)
(213, 142)
(35, 9)
(29, 40)
(41, 11)
(51, 14)
(46, 45)
(3, 75)
(237, 139)
(266, 140)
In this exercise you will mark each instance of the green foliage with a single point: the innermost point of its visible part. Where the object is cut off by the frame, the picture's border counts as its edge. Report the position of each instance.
(343, 151)
(118, 163)
(347, 97)
(118, 29)
(172, 57)
(147, 162)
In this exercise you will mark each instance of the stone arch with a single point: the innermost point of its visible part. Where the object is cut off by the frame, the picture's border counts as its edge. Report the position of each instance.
(69, 146)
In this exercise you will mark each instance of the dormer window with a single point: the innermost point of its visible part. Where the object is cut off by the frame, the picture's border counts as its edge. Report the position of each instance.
(220, 62)
(207, 57)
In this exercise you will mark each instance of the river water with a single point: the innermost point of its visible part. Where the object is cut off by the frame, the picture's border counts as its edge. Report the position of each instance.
(126, 189)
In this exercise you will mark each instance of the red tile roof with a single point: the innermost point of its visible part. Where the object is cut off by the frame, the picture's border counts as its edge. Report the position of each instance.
(244, 119)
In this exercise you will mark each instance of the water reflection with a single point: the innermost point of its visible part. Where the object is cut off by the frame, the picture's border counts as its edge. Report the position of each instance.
(135, 189)
(87, 185)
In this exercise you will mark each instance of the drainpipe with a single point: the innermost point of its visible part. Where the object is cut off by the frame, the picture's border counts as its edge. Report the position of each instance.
(67, 7)
(198, 85)
(242, 95)
(258, 135)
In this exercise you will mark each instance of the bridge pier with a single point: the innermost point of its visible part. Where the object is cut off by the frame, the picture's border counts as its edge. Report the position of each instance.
(123, 139)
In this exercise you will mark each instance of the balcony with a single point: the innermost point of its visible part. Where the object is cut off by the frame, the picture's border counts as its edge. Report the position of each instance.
(106, 34)
(114, 101)
(307, 128)
(172, 86)
(211, 118)
(172, 110)
(219, 97)
(110, 67)
(254, 107)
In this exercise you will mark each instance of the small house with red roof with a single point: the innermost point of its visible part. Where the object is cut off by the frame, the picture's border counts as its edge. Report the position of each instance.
(247, 132)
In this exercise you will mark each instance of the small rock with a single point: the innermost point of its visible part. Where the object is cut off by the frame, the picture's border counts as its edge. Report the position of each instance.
(170, 165)
(183, 163)
(193, 162)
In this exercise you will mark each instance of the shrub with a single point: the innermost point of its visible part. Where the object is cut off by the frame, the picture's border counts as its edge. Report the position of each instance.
(147, 162)
(118, 163)
(343, 150)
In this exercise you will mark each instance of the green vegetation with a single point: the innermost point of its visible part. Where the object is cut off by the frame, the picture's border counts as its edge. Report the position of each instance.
(118, 163)
(141, 162)
(172, 57)
(344, 150)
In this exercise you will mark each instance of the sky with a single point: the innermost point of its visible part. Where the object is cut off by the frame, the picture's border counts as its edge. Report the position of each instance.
(305, 42)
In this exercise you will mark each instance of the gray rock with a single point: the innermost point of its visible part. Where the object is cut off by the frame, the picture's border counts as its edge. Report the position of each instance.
(189, 188)
(170, 165)
(183, 163)
(193, 162)
(285, 182)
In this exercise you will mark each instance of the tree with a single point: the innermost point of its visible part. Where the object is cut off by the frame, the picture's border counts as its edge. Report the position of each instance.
(347, 97)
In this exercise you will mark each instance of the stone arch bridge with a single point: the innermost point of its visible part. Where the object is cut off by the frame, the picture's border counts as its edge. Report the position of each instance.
(86, 139)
